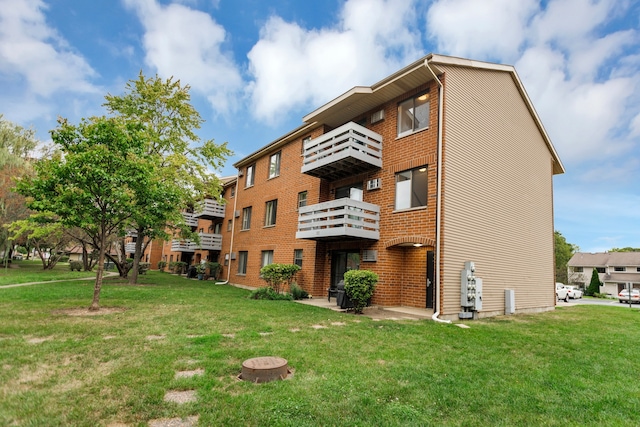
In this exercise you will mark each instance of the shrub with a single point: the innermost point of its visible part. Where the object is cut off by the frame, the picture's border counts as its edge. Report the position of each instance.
(268, 293)
(63, 258)
(75, 265)
(214, 269)
(143, 267)
(201, 268)
(162, 265)
(297, 292)
(594, 285)
(359, 286)
(277, 274)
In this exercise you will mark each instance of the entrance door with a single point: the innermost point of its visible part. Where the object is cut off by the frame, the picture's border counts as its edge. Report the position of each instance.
(431, 265)
(341, 262)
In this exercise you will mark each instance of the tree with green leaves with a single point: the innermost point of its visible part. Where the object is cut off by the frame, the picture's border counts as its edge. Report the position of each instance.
(16, 146)
(563, 251)
(186, 164)
(93, 182)
(45, 234)
(625, 249)
(594, 285)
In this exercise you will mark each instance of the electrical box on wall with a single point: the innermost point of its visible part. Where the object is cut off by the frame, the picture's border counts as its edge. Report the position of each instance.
(470, 291)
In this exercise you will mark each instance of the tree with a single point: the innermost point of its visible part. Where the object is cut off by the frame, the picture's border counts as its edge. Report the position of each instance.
(16, 145)
(169, 122)
(93, 182)
(45, 234)
(594, 285)
(563, 252)
(625, 249)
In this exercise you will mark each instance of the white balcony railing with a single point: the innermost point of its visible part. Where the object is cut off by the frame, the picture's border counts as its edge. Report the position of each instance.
(347, 150)
(181, 246)
(208, 242)
(342, 218)
(130, 247)
(209, 209)
(190, 219)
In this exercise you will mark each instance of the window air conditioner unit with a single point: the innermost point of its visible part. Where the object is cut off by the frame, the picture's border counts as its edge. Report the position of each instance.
(233, 255)
(377, 116)
(369, 255)
(374, 184)
(236, 214)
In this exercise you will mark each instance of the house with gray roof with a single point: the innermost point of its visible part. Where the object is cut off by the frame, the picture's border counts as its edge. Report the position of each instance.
(615, 270)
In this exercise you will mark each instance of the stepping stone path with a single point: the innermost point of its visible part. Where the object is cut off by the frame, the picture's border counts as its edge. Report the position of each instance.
(180, 397)
(155, 337)
(189, 374)
(175, 422)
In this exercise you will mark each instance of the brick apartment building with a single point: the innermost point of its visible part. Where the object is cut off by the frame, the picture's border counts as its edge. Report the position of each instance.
(441, 163)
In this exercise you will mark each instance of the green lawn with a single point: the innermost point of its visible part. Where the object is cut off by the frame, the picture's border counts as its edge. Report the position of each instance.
(575, 366)
(32, 271)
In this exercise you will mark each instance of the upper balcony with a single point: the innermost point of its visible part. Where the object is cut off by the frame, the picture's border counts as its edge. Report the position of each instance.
(338, 220)
(130, 247)
(208, 242)
(190, 219)
(345, 151)
(209, 209)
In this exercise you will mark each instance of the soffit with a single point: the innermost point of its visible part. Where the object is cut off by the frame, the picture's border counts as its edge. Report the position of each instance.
(361, 99)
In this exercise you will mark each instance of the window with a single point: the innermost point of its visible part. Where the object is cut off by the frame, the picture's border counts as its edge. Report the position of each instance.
(411, 188)
(267, 258)
(246, 218)
(270, 212)
(413, 114)
(619, 269)
(233, 192)
(243, 256)
(229, 225)
(217, 229)
(600, 269)
(304, 142)
(297, 257)
(251, 172)
(578, 269)
(302, 199)
(638, 269)
(274, 165)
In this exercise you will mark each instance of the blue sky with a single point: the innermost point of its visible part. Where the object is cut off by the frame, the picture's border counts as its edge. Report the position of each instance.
(256, 67)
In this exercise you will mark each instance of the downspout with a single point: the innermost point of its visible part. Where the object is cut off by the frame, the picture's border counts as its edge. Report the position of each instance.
(439, 196)
(233, 230)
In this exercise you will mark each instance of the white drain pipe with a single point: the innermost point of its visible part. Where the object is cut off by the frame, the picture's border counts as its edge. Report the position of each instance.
(439, 196)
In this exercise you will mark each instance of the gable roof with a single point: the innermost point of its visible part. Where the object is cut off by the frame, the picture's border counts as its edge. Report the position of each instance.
(603, 259)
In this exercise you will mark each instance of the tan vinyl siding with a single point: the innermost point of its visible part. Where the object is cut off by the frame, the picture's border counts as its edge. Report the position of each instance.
(497, 194)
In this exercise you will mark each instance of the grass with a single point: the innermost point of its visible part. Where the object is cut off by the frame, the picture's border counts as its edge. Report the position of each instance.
(32, 271)
(574, 366)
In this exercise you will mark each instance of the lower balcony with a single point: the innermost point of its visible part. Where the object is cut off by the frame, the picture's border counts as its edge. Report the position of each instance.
(181, 246)
(130, 247)
(190, 219)
(339, 219)
(208, 242)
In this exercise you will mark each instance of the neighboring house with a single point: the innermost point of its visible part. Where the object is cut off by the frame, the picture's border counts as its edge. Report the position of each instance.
(615, 270)
(441, 163)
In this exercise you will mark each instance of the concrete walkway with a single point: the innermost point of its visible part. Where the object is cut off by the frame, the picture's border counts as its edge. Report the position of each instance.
(106, 274)
(375, 312)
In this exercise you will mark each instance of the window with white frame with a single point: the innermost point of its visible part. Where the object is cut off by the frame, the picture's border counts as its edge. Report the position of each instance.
(243, 256)
(619, 269)
(413, 114)
(411, 188)
(267, 258)
(270, 211)
(249, 178)
(274, 165)
(246, 218)
(217, 229)
(302, 199)
(297, 257)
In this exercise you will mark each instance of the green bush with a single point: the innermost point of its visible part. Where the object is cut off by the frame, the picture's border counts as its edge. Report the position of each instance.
(63, 258)
(359, 286)
(277, 274)
(268, 293)
(75, 265)
(162, 265)
(297, 292)
(594, 285)
(143, 267)
(214, 269)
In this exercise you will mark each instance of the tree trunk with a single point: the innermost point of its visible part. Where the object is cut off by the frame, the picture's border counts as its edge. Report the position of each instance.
(95, 303)
(136, 257)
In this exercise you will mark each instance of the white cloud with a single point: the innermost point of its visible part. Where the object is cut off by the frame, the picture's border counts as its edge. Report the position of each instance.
(480, 29)
(188, 45)
(294, 67)
(32, 51)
